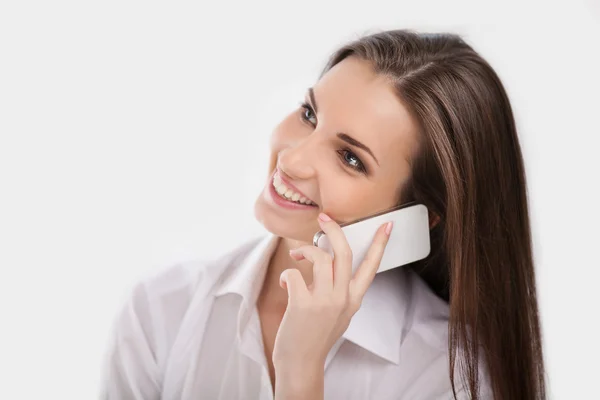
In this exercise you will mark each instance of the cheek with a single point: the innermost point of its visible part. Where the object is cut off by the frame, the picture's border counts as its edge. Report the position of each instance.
(343, 197)
(347, 199)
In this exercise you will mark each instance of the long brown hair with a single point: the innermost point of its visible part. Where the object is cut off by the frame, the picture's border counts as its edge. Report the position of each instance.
(470, 173)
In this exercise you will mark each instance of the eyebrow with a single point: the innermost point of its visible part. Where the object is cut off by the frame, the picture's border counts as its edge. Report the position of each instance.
(343, 136)
(350, 140)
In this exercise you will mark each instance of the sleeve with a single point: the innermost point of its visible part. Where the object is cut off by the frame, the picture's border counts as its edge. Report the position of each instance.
(130, 370)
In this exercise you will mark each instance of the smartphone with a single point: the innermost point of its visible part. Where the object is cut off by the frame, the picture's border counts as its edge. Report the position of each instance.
(409, 240)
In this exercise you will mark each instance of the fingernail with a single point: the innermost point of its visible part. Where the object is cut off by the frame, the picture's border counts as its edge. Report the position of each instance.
(324, 217)
(388, 228)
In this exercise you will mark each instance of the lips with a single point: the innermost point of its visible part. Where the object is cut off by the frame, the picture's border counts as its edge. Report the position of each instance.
(288, 191)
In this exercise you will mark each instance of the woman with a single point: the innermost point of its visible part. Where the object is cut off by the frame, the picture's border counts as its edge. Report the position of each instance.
(395, 117)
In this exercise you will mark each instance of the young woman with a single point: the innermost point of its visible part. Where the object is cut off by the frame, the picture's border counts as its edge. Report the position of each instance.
(396, 116)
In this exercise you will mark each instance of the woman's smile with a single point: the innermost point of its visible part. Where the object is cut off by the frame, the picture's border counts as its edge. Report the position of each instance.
(286, 195)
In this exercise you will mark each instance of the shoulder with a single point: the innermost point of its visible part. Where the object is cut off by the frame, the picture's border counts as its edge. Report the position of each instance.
(149, 320)
(156, 304)
(174, 285)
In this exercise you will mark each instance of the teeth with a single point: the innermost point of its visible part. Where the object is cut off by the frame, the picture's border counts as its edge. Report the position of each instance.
(287, 193)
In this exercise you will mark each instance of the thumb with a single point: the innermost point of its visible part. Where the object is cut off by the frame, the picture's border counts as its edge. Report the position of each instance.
(291, 279)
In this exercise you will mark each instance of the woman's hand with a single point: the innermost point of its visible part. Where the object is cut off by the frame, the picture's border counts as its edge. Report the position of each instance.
(316, 316)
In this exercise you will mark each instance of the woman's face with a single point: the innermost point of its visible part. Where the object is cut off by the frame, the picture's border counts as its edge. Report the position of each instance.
(347, 151)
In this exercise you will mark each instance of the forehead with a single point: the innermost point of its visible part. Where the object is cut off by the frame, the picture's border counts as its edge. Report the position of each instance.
(354, 100)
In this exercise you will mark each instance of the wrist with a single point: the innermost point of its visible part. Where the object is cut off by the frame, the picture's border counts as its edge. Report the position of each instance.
(299, 381)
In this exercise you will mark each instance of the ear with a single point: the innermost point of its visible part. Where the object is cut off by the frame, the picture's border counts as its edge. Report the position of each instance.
(433, 219)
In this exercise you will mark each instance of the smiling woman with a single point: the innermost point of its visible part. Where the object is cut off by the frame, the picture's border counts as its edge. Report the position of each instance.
(395, 117)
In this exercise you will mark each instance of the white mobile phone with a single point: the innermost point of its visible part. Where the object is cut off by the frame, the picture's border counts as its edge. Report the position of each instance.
(408, 242)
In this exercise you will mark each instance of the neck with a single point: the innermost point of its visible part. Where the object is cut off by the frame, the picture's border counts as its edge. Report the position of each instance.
(274, 294)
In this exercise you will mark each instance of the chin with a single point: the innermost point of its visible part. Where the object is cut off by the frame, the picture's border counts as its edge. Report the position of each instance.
(278, 226)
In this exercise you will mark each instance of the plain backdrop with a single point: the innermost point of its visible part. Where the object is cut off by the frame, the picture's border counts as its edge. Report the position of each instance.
(134, 135)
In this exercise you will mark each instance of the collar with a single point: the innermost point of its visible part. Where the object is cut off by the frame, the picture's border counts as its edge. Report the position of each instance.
(382, 319)
(246, 278)
(377, 326)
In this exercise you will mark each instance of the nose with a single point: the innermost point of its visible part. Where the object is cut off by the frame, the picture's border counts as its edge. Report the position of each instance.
(298, 160)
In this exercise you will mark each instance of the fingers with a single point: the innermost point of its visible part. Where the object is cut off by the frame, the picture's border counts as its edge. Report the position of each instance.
(336, 273)
(342, 260)
(321, 260)
(291, 280)
(368, 268)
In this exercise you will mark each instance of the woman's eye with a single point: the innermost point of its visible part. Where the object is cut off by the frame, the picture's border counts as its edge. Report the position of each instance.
(352, 160)
(347, 156)
(308, 113)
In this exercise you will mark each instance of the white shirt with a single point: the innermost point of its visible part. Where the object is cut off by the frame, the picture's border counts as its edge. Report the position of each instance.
(192, 332)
